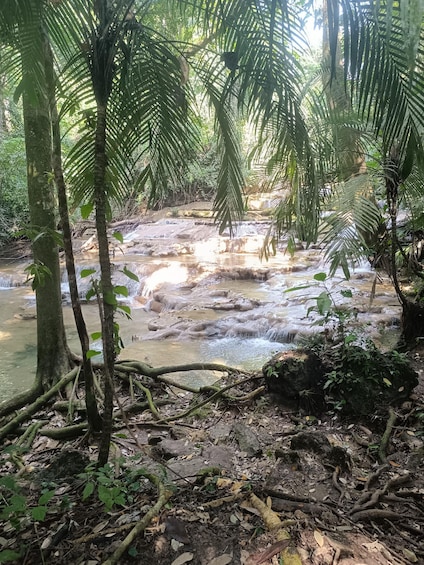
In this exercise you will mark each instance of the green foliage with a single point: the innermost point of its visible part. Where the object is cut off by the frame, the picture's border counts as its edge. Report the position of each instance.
(359, 376)
(14, 211)
(363, 377)
(112, 298)
(333, 316)
(37, 274)
(15, 503)
(110, 490)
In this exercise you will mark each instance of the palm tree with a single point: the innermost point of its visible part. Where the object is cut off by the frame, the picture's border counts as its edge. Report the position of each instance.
(383, 52)
(137, 108)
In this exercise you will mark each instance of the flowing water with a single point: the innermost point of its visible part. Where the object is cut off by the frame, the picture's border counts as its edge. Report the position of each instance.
(200, 297)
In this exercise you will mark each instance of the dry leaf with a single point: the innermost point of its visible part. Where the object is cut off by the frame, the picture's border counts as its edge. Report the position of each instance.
(222, 560)
(410, 555)
(176, 545)
(183, 558)
(223, 483)
(319, 538)
(100, 527)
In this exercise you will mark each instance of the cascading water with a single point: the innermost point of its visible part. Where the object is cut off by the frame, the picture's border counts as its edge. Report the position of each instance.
(199, 297)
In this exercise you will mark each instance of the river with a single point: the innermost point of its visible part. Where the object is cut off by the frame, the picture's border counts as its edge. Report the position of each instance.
(200, 297)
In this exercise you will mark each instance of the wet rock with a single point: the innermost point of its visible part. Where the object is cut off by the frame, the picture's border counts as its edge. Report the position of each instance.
(247, 440)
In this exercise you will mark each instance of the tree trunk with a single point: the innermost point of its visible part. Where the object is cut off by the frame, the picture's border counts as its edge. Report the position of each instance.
(93, 415)
(52, 351)
(108, 299)
(412, 324)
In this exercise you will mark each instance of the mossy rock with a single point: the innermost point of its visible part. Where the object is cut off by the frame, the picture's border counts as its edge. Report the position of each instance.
(295, 375)
(349, 378)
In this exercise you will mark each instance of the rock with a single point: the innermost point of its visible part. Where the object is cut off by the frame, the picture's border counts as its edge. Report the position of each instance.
(247, 440)
(311, 441)
(295, 374)
(169, 448)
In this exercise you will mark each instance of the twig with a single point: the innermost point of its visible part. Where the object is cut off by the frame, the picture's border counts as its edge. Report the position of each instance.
(164, 496)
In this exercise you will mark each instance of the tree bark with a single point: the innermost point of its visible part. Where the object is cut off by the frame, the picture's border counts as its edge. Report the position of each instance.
(108, 300)
(52, 351)
(93, 415)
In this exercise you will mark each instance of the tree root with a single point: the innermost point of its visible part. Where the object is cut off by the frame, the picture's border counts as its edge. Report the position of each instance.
(68, 432)
(215, 395)
(20, 400)
(289, 554)
(35, 406)
(378, 514)
(369, 500)
(382, 452)
(164, 496)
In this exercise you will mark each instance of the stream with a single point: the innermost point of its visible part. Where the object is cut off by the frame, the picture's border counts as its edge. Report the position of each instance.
(200, 297)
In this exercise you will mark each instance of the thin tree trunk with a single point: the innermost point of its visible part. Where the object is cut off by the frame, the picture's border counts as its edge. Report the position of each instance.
(108, 299)
(93, 416)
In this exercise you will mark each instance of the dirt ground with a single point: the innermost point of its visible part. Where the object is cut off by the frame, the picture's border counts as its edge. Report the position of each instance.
(250, 481)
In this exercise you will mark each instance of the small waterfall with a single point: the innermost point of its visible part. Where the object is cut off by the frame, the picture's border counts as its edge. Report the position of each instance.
(10, 281)
(172, 274)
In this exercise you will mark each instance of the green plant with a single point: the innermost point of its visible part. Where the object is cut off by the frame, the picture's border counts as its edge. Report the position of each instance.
(117, 290)
(15, 503)
(358, 375)
(111, 490)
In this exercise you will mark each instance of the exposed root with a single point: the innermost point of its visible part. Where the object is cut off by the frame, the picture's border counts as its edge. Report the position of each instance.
(382, 452)
(35, 406)
(18, 401)
(164, 496)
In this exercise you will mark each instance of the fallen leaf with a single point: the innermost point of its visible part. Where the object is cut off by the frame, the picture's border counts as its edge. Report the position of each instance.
(46, 542)
(183, 558)
(319, 538)
(394, 464)
(223, 483)
(176, 545)
(100, 527)
(266, 555)
(221, 560)
(410, 555)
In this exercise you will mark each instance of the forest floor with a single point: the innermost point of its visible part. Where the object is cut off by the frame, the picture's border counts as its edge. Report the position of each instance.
(321, 480)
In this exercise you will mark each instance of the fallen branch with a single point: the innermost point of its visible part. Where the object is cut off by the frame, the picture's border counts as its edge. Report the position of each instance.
(35, 406)
(164, 496)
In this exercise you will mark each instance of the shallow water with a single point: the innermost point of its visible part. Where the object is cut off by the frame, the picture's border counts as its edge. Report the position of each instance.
(199, 303)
